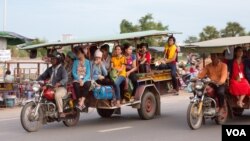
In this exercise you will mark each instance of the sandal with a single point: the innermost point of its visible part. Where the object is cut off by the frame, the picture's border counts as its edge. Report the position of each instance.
(173, 91)
(132, 98)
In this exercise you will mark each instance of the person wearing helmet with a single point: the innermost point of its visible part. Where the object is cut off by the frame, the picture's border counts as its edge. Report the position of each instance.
(57, 76)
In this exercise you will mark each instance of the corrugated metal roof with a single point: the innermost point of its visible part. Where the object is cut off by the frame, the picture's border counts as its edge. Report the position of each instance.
(14, 38)
(123, 36)
(216, 45)
(222, 42)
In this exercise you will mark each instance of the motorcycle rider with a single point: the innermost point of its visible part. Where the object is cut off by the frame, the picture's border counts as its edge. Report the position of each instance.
(217, 71)
(57, 76)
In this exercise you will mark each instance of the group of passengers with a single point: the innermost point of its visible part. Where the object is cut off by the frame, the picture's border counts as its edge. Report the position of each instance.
(104, 69)
(236, 70)
(238, 74)
(84, 64)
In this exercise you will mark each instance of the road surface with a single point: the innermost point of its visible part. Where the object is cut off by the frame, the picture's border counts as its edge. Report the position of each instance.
(171, 126)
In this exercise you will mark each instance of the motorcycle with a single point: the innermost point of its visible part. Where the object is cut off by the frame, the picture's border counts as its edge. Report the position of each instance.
(204, 105)
(43, 109)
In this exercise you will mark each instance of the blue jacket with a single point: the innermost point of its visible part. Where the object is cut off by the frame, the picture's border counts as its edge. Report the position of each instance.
(99, 70)
(75, 73)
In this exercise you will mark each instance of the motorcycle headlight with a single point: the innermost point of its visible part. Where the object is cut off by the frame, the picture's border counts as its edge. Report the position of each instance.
(199, 85)
(36, 87)
(199, 93)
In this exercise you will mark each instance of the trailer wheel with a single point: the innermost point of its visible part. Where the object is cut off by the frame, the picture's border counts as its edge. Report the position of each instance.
(238, 111)
(148, 106)
(105, 113)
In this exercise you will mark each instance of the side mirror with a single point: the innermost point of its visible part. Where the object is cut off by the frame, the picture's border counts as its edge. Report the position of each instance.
(33, 53)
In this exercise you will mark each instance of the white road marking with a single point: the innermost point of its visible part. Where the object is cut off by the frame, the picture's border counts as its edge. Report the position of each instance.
(114, 129)
(9, 119)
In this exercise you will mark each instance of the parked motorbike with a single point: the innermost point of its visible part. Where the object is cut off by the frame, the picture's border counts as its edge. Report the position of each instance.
(204, 105)
(43, 109)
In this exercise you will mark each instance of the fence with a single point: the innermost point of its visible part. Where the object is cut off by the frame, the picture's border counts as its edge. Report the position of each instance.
(26, 70)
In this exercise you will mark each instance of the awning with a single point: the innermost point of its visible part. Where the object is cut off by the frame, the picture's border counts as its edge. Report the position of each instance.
(216, 45)
(14, 38)
(117, 37)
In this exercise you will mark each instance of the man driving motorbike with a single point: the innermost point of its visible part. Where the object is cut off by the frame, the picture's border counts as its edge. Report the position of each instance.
(57, 76)
(217, 71)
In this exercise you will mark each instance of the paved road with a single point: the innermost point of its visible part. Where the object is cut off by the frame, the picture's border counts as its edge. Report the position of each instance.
(171, 126)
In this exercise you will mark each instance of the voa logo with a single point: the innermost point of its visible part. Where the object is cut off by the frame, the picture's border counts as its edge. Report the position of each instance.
(236, 132)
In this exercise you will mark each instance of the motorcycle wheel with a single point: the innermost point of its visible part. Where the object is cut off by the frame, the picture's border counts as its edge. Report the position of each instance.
(194, 121)
(29, 122)
(73, 120)
(222, 118)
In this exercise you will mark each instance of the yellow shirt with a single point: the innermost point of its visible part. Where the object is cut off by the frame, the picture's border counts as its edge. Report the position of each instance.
(118, 62)
(170, 51)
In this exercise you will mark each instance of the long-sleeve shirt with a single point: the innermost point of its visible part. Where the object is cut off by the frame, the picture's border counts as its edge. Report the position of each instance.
(60, 75)
(99, 70)
(218, 73)
(75, 70)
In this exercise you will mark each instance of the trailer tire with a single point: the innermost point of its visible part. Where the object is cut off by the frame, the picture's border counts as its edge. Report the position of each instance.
(105, 113)
(148, 106)
(237, 111)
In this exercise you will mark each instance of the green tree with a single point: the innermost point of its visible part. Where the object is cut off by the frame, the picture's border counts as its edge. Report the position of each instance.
(41, 51)
(208, 33)
(191, 39)
(127, 27)
(233, 29)
(15, 52)
(145, 23)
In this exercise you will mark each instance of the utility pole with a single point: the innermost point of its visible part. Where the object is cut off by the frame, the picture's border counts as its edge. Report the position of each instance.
(4, 15)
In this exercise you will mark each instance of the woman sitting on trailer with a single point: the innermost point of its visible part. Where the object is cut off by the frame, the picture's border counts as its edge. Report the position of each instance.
(169, 62)
(81, 75)
(239, 86)
(118, 71)
(131, 67)
(99, 71)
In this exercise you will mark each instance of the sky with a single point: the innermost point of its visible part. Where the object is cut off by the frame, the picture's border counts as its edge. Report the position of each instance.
(49, 19)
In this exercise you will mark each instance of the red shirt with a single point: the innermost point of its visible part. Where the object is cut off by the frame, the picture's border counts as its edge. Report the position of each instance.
(147, 55)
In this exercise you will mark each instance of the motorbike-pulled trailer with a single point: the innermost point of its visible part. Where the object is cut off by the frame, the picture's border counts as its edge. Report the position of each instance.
(148, 94)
